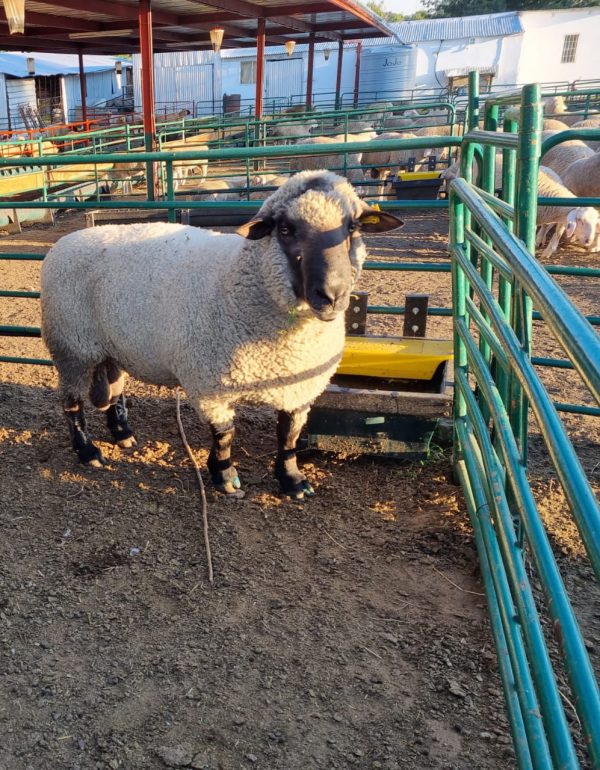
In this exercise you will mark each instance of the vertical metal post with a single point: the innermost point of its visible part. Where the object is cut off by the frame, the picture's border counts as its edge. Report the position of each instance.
(459, 310)
(260, 80)
(357, 73)
(145, 25)
(260, 68)
(528, 160)
(309, 74)
(338, 77)
(82, 87)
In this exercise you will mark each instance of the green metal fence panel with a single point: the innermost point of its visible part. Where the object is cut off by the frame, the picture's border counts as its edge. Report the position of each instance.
(492, 349)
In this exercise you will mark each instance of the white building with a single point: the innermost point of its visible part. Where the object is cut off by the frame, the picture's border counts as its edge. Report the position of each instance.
(430, 55)
(45, 86)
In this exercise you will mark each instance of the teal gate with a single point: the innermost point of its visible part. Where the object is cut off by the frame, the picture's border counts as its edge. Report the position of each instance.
(496, 283)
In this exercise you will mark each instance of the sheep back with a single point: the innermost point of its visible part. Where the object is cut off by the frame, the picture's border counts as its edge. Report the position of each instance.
(174, 304)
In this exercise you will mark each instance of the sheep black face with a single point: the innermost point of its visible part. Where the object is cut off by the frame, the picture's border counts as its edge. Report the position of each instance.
(323, 252)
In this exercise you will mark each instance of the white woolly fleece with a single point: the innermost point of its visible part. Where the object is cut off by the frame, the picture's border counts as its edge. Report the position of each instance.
(211, 311)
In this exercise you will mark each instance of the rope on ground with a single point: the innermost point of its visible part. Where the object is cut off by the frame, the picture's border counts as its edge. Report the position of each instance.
(200, 483)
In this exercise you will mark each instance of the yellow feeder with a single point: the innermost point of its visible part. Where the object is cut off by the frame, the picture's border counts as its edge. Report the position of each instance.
(407, 358)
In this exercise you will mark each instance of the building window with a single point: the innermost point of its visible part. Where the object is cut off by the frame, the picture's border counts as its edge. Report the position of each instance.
(247, 72)
(569, 49)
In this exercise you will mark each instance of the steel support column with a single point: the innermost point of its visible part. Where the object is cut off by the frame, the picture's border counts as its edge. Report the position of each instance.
(357, 73)
(146, 51)
(338, 77)
(309, 76)
(82, 87)
(260, 68)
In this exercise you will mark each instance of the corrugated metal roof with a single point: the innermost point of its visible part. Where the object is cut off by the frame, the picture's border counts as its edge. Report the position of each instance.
(486, 25)
(15, 63)
(410, 32)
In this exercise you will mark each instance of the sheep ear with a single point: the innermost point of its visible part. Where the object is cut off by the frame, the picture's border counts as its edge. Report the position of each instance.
(375, 221)
(255, 229)
(571, 224)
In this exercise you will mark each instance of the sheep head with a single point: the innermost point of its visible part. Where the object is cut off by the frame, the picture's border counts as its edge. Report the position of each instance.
(582, 223)
(317, 219)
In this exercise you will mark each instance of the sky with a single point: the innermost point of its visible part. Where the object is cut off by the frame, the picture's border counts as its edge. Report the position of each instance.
(406, 7)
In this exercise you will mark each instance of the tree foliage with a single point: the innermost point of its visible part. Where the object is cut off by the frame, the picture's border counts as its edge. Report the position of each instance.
(438, 8)
(378, 7)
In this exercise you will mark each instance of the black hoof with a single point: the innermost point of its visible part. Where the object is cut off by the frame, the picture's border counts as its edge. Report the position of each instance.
(91, 456)
(228, 482)
(123, 437)
(297, 490)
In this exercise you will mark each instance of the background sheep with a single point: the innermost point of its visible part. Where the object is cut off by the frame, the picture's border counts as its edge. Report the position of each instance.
(560, 157)
(549, 124)
(381, 164)
(579, 222)
(269, 181)
(291, 131)
(258, 320)
(377, 106)
(333, 162)
(582, 177)
(593, 122)
(125, 173)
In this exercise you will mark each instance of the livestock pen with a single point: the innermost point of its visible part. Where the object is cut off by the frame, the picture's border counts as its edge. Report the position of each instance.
(333, 618)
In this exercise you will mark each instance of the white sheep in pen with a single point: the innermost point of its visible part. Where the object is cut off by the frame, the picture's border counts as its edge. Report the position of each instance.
(580, 222)
(332, 162)
(593, 122)
(289, 132)
(255, 317)
(381, 164)
(562, 155)
(582, 177)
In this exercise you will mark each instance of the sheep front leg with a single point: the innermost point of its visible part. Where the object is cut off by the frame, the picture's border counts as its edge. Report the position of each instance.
(223, 472)
(87, 451)
(292, 481)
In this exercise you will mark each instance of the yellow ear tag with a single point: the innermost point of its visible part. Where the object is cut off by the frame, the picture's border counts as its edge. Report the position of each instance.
(376, 206)
(372, 220)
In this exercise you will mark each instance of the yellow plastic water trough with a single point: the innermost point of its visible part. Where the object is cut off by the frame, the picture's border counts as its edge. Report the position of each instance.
(406, 358)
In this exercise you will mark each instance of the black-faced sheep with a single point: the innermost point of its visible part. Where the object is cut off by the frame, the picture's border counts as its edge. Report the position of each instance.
(255, 317)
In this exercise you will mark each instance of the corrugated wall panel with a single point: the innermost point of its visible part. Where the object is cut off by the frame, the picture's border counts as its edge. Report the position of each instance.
(20, 91)
(188, 77)
(3, 104)
(100, 86)
(283, 78)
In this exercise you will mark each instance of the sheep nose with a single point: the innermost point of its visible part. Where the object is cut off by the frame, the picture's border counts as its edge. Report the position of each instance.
(329, 299)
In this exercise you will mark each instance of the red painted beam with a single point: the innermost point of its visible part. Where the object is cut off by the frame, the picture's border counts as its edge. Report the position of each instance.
(260, 68)
(82, 86)
(357, 73)
(117, 10)
(338, 75)
(311, 67)
(147, 75)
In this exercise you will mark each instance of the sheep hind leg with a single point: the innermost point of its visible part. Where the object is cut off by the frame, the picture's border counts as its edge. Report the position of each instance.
(74, 380)
(291, 480)
(116, 414)
(106, 394)
(223, 472)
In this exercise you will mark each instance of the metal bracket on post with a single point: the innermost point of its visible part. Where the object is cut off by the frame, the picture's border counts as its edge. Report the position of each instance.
(415, 315)
(356, 315)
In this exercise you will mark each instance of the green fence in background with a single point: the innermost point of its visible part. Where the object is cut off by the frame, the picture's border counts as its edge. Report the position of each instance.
(496, 282)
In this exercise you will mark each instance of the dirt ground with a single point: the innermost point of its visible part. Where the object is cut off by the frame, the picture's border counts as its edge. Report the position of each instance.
(346, 632)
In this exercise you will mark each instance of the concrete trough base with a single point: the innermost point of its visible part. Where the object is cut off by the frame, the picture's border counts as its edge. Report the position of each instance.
(388, 418)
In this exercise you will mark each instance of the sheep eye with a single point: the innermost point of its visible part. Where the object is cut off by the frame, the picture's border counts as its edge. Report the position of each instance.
(285, 230)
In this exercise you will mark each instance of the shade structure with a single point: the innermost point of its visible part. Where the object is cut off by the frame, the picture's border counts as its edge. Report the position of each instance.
(108, 26)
